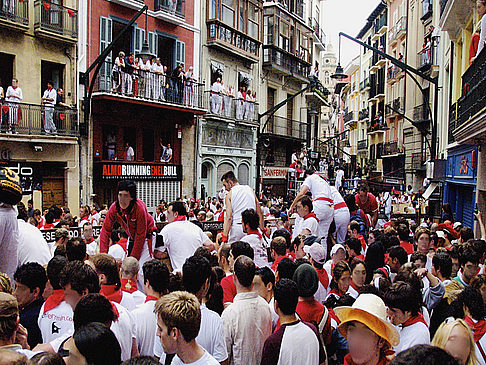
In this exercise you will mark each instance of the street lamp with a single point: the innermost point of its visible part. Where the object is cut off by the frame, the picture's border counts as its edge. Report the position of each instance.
(145, 53)
(339, 73)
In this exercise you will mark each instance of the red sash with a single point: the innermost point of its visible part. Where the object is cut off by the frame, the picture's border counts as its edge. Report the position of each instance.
(128, 285)
(479, 328)
(340, 205)
(150, 297)
(54, 300)
(325, 199)
(311, 215)
(415, 319)
(111, 293)
(123, 243)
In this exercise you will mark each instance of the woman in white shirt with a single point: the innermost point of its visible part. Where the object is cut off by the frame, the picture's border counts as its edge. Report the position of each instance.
(481, 6)
(13, 98)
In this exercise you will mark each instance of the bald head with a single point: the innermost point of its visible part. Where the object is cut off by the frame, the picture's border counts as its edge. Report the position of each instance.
(129, 268)
(244, 270)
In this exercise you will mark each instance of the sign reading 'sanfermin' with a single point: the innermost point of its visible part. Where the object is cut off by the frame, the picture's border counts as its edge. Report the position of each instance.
(142, 171)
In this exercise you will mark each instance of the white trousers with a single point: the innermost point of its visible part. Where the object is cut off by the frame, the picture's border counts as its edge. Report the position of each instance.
(325, 213)
(9, 240)
(49, 119)
(236, 233)
(341, 219)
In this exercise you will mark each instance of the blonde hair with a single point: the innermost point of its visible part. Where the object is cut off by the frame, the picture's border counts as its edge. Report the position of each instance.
(5, 286)
(444, 332)
(180, 310)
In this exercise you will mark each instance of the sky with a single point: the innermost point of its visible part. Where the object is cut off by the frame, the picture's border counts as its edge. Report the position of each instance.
(347, 16)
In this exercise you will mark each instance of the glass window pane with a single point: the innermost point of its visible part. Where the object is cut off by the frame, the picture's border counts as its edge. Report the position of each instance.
(228, 16)
(253, 30)
(242, 16)
(253, 12)
(230, 3)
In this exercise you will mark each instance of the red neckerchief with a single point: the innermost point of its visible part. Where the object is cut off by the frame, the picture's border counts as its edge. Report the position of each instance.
(88, 242)
(349, 361)
(354, 286)
(332, 314)
(337, 292)
(54, 300)
(14, 87)
(115, 310)
(323, 277)
(128, 286)
(111, 293)
(311, 215)
(150, 297)
(179, 218)
(48, 226)
(123, 243)
(415, 319)
(479, 327)
(255, 232)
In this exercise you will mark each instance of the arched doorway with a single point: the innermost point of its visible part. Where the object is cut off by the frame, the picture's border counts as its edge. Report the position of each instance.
(206, 181)
(243, 174)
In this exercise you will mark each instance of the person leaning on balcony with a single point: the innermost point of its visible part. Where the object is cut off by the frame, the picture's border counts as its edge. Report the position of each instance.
(13, 97)
(228, 99)
(481, 6)
(216, 98)
(48, 101)
(158, 70)
(117, 72)
(189, 87)
(248, 102)
(129, 74)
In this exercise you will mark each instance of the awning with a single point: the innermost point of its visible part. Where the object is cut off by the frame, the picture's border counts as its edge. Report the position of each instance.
(430, 190)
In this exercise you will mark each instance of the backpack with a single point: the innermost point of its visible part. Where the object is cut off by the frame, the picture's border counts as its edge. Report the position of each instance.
(363, 228)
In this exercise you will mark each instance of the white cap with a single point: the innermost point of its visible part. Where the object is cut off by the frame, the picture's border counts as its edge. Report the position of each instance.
(317, 252)
(336, 247)
(457, 225)
(440, 234)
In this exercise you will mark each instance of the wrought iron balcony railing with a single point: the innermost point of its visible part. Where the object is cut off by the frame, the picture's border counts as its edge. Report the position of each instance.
(173, 7)
(230, 107)
(56, 18)
(15, 11)
(285, 127)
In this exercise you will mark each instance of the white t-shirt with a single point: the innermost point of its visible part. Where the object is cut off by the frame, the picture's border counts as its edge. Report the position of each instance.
(145, 327)
(50, 94)
(124, 330)
(127, 301)
(130, 154)
(206, 359)
(297, 226)
(210, 337)
(242, 198)
(11, 93)
(91, 248)
(311, 225)
(32, 245)
(138, 297)
(117, 252)
(258, 245)
(318, 187)
(415, 334)
(181, 239)
(55, 322)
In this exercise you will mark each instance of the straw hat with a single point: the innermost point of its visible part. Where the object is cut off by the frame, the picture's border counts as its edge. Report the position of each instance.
(369, 310)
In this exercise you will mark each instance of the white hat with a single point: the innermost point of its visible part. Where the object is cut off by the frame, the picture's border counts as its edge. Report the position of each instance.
(440, 234)
(425, 225)
(336, 247)
(457, 225)
(317, 252)
(370, 310)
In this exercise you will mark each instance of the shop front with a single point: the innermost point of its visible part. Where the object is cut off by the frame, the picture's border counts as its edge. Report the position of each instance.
(460, 184)
(275, 180)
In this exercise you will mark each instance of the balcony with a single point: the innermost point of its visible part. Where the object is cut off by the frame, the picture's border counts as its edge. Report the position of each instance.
(392, 38)
(364, 114)
(14, 14)
(401, 27)
(350, 118)
(30, 120)
(455, 16)
(391, 74)
(471, 108)
(228, 108)
(318, 96)
(421, 115)
(318, 34)
(427, 57)
(452, 123)
(377, 128)
(148, 88)
(363, 145)
(389, 109)
(132, 4)
(229, 39)
(286, 128)
(426, 10)
(399, 104)
(170, 11)
(417, 162)
(391, 148)
(380, 26)
(285, 63)
(294, 7)
(364, 85)
(55, 22)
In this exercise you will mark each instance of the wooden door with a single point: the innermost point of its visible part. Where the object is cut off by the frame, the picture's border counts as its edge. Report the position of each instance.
(52, 191)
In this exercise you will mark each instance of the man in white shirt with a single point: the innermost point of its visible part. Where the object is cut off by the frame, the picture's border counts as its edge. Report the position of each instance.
(247, 321)
(339, 178)
(181, 237)
(129, 153)
(158, 70)
(178, 324)
(341, 215)
(216, 96)
(263, 284)
(13, 97)
(239, 198)
(250, 222)
(156, 280)
(32, 245)
(310, 223)
(196, 274)
(48, 101)
(129, 275)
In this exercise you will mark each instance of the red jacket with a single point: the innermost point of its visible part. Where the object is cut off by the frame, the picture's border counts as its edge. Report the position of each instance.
(137, 223)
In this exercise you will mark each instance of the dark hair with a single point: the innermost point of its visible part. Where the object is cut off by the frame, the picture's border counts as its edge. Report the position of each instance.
(106, 265)
(337, 272)
(363, 188)
(403, 296)
(286, 269)
(244, 270)
(418, 256)
(355, 262)
(141, 360)
(54, 268)
(399, 253)
(285, 234)
(32, 275)
(97, 343)
(250, 217)
(472, 299)
(239, 248)
(60, 251)
(479, 246)
(195, 271)
(424, 354)
(47, 358)
(75, 249)
(306, 202)
(157, 274)
(466, 234)
(354, 244)
(350, 201)
(22, 212)
(130, 186)
(93, 308)
(354, 226)
(81, 277)
(56, 211)
(266, 274)
(178, 207)
(286, 296)
(229, 176)
(442, 261)
(468, 255)
(279, 245)
(403, 232)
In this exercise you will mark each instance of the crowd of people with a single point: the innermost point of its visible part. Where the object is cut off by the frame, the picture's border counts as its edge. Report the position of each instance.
(222, 100)
(312, 281)
(131, 76)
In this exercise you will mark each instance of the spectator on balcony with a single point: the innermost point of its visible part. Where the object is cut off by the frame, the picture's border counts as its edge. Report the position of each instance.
(129, 153)
(129, 74)
(59, 111)
(189, 87)
(172, 6)
(481, 6)
(252, 105)
(216, 97)
(111, 145)
(228, 98)
(147, 76)
(166, 154)
(240, 103)
(248, 103)
(118, 67)
(9, 7)
(177, 84)
(13, 97)
(48, 101)
(136, 76)
(158, 70)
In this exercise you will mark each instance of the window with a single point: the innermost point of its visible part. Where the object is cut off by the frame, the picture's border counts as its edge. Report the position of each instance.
(243, 174)
(327, 77)
(253, 20)
(242, 16)
(228, 12)
(213, 9)
(51, 71)
(284, 35)
(6, 71)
